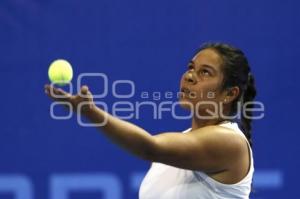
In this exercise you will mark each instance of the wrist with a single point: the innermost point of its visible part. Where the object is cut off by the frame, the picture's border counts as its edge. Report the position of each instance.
(88, 109)
(95, 115)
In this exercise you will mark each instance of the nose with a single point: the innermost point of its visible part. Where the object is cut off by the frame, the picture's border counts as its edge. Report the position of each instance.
(190, 77)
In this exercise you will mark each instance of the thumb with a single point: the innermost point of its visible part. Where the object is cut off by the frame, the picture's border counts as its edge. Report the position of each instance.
(85, 93)
(84, 90)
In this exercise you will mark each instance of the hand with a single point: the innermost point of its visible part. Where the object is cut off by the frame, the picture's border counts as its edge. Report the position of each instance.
(83, 98)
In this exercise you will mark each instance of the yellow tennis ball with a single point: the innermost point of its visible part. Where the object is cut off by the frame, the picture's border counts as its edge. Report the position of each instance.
(60, 72)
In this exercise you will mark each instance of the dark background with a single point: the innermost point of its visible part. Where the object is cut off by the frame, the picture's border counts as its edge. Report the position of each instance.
(149, 43)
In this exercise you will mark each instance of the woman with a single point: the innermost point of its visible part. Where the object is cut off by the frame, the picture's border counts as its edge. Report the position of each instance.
(212, 159)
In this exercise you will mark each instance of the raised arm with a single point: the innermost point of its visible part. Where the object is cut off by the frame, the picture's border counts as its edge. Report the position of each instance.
(210, 148)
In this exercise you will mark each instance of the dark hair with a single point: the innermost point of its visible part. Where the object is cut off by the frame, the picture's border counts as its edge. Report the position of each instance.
(237, 72)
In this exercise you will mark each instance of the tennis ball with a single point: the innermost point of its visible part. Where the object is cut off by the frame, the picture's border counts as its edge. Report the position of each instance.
(60, 72)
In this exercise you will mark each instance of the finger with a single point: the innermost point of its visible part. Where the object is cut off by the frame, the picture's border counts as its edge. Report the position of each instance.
(47, 89)
(56, 93)
(54, 98)
(48, 93)
(84, 90)
(61, 92)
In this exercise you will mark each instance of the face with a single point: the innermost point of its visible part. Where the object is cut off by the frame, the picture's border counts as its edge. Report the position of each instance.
(202, 81)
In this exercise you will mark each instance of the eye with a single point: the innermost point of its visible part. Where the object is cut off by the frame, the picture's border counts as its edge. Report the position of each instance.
(205, 72)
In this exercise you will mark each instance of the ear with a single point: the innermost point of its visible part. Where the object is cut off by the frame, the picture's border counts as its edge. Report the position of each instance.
(231, 95)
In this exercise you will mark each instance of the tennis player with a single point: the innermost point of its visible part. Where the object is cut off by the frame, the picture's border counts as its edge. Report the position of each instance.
(210, 160)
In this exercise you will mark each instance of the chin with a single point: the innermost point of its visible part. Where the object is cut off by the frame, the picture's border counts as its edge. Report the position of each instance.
(185, 103)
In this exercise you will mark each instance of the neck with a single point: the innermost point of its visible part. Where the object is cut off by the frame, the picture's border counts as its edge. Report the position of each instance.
(199, 123)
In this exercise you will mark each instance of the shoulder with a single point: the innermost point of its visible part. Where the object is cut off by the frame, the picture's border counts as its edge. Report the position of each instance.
(219, 134)
(220, 141)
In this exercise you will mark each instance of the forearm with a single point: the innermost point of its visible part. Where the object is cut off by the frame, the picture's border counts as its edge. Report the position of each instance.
(125, 134)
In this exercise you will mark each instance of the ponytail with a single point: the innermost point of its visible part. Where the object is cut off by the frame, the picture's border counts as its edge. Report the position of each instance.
(246, 117)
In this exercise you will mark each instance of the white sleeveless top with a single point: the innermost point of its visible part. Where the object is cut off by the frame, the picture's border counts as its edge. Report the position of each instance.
(168, 182)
